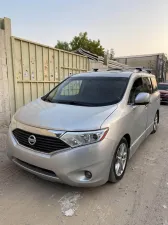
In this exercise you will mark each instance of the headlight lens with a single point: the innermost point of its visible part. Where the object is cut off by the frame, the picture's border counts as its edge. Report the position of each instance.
(13, 124)
(76, 139)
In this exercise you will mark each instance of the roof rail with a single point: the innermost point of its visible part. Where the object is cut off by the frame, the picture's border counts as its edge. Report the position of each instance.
(110, 69)
(137, 69)
(142, 69)
(149, 70)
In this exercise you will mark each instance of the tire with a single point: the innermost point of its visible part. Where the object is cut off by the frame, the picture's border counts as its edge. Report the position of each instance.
(117, 170)
(156, 122)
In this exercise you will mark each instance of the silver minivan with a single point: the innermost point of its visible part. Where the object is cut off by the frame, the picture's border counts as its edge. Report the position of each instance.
(83, 132)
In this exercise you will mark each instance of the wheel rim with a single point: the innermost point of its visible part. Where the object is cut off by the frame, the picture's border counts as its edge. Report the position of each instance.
(121, 159)
(155, 123)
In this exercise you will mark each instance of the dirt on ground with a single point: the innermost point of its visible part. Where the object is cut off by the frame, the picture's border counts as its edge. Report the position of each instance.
(140, 198)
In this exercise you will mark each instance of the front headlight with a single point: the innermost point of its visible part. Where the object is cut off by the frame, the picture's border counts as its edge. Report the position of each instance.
(76, 139)
(13, 124)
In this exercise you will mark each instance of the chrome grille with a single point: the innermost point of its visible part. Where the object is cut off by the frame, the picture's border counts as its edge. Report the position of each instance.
(43, 143)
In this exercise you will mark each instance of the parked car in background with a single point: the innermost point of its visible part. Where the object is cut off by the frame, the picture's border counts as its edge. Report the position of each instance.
(163, 88)
(83, 132)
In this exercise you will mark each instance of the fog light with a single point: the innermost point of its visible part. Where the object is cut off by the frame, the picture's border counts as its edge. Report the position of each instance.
(88, 174)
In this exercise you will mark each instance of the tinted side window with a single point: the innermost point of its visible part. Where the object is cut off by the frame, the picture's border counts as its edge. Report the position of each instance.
(154, 84)
(136, 89)
(147, 85)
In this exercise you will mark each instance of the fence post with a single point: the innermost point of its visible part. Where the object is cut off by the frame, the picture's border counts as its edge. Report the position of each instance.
(4, 89)
(7, 29)
(59, 65)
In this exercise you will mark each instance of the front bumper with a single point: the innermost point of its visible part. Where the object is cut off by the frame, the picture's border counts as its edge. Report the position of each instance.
(66, 166)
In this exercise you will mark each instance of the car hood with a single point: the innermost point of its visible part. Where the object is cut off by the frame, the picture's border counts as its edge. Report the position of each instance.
(62, 116)
(163, 92)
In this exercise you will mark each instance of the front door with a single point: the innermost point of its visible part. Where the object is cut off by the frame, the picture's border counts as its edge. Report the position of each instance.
(138, 116)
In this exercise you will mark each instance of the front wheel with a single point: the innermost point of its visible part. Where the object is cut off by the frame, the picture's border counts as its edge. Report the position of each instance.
(119, 161)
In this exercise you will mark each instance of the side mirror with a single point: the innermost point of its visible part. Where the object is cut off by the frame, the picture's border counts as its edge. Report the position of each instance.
(142, 98)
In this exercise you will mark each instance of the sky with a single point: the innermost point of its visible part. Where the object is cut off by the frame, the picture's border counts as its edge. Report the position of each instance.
(130, 27)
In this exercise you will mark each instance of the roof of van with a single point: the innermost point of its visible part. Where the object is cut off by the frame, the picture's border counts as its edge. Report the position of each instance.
(112, 73)
(105, 74)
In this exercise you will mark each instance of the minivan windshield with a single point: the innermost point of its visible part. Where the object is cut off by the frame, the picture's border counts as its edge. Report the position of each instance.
(163, 87)
(89, 91)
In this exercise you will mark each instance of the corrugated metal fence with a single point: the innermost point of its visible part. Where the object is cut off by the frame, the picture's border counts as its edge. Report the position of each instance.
(38, 68)
(34, 69)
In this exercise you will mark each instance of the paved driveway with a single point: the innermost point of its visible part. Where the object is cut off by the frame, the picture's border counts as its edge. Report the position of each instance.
(140, 198)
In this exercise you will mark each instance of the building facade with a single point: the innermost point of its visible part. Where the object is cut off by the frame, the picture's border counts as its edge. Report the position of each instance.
(155, 62)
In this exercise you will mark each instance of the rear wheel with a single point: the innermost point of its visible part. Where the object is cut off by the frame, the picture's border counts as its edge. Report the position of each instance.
(119, 161)
(155, 124)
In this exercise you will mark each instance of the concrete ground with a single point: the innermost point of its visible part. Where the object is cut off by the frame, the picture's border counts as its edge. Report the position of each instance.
(140, 198)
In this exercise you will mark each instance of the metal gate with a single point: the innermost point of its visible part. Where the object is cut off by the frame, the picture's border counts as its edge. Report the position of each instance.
(38, 68)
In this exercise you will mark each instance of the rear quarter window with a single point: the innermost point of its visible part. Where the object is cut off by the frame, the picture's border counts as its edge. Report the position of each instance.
(154, 84)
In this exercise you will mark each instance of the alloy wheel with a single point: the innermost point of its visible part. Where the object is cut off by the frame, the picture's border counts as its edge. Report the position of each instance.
(155, 125)
(121, 159)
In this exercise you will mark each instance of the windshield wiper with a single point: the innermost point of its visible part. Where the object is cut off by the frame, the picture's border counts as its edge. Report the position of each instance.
(74, 103)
